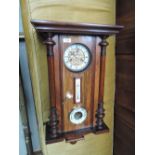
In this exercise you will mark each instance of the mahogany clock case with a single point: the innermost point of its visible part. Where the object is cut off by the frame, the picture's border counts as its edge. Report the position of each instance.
(65, 80)
(58, 37)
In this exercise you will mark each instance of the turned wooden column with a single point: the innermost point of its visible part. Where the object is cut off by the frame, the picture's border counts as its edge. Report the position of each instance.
(53, 131)
(100, 125)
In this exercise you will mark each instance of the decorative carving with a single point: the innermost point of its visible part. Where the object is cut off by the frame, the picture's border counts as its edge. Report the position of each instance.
(53, 125)
(100, 114)
(103, 45)
(100, 125)
(49, 44)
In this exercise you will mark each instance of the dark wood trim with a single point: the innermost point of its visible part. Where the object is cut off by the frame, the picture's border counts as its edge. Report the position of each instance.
(75, 28)
(53, 130)
(74, 135)
(100, 125)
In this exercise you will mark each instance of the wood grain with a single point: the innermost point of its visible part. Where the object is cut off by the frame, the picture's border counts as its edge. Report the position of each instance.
(45, 26)
(87, 83)
(96, 83)
(124, 129)
(58, 83)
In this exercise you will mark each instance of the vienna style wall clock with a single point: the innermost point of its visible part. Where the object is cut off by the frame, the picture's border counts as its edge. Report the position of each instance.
(76, 68)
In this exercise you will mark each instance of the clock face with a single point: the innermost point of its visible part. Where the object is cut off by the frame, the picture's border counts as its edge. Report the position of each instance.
(76, 57)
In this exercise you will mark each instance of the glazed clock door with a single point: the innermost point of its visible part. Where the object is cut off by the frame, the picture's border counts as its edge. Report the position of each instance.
(77, 65)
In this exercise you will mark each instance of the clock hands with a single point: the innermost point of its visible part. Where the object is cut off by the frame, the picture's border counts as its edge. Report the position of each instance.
(77, 57)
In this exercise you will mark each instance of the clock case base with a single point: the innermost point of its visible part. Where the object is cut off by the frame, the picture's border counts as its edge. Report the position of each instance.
(74, 136)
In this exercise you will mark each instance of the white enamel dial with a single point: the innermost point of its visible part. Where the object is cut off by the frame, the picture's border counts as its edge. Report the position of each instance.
(78, 115)
(76, 57)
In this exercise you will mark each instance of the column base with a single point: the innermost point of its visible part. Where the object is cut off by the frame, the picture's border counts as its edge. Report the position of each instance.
(50, 139)
(102, 129)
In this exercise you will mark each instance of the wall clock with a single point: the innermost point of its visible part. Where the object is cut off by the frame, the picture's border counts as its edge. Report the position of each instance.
(76, 55)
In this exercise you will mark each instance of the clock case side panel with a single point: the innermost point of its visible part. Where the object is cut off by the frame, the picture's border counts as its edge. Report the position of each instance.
(97, 79)
(58, 82)
(58, 96)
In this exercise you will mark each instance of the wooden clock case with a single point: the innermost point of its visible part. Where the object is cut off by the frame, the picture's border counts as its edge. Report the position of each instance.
(58, 36)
